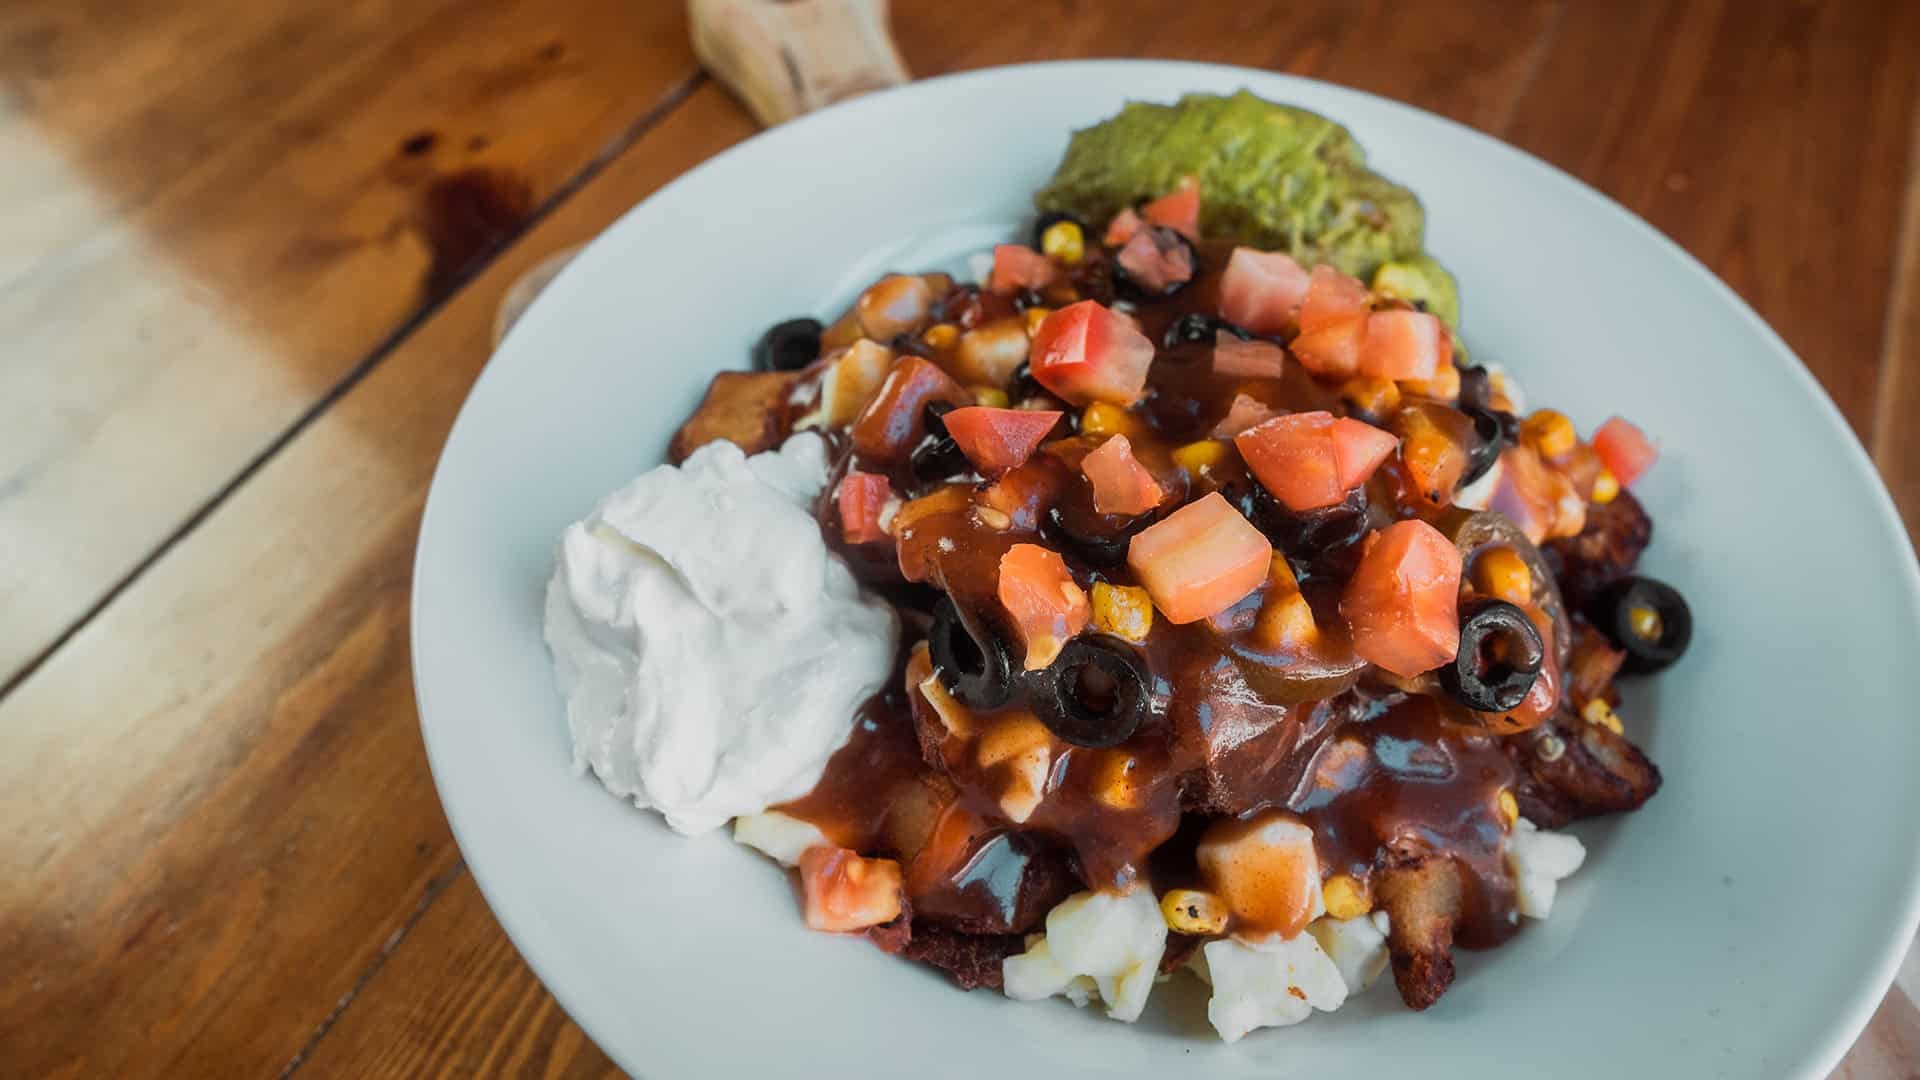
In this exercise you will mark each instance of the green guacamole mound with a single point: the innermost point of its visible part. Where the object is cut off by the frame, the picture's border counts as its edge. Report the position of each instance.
(1271, 176)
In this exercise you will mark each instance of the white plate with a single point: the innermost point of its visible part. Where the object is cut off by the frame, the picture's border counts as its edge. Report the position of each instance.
(1745, 923)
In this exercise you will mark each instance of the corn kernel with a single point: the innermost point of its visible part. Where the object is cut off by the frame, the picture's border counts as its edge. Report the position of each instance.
(1124, 611)
(1445, 384)
(1549, 432)
(1376, 396)
(993, 518)
(1599, 712)
(1606, 487)
(1064, 242)
(941, 335)
(1346, 896)
(1645, 623)
(1104, 419)
(989, 396)
(1509, 808)
(1192, 911)
(1280, 573)
(1501, 573)
(1285, 621)
(1117, 780)
(1035, 316)
(1199, 458)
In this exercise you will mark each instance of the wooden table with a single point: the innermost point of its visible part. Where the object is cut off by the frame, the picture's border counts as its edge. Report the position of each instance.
(250, 255)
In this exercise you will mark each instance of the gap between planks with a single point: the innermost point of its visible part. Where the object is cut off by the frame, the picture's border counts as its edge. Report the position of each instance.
(353, 376)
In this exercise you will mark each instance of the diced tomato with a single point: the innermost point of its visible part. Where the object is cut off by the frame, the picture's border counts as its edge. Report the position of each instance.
(895, 420)
(1200, 560)
(1048, 607)
(1245, 412)
(1625, 450)
(1017, 267)
(1157, 260)
(845, 892)
(1122, 227)
(1310, 460)
(1247, 359)
(1332, 349)
(996, 440)
(1121, 485)
(1179, 209)
(863, 500)
(1332, 298)
(1262, 290)
(1402, 603)
(1085, 353)
(1402, 344)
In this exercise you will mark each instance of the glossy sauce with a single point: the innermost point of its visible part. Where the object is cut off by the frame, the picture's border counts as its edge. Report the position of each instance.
(1235, 726)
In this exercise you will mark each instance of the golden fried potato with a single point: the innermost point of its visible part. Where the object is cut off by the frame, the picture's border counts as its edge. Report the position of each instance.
(747, 408)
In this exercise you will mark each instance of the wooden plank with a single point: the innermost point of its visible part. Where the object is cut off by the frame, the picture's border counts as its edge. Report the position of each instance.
(215, 810)
(211, 213)
(1890, 1047)
(458, 1001)
(1896, 435)
(1769, 139)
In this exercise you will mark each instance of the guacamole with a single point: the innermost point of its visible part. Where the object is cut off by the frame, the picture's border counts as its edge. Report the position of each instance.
(1271, 176)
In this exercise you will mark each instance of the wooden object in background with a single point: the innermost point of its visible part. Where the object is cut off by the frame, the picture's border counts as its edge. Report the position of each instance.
(784, 58)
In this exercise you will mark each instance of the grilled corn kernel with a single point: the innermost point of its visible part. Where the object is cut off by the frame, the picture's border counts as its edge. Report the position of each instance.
(1199, 458)
(1606, 487)
(1191, 911)
(1346, 896)
(1509, 808)
(1104, 419)
(1123, 611)
(1445, 384)
(941, 335)
(1501, 573)
(1064, 242)
(990, 397)
(1549, 432)
(1375, 396)
(1035, 316)
(1599, 712)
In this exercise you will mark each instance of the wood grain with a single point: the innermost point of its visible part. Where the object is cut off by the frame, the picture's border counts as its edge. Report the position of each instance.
(1896, 436)
(220, 851)
(239, 820)
(213, 213)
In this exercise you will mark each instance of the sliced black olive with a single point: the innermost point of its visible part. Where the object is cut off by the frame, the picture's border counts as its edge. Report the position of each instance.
(937, 457)
(1155, 281)
(1303, 534)
(1647, 618)
(1490, 437)
(1028, 298)
(1051, 218)
(1476, 387)
(1500, 656)
(970, 660)
(1023, 385)
(1093, 695)
(788, 346)
(1103, 551)
(1194, 328)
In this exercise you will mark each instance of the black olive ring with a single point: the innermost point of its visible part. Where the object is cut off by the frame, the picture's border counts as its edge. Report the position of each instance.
(1195, 328)
(1490, 437)
(973, 663)
(788, 346)
(1629, 608)
(1499, 682)
(1101, 715)
(937, 457)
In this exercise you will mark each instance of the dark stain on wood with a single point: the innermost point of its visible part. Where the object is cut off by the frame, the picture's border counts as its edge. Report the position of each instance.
(467, 216)
(419, 143)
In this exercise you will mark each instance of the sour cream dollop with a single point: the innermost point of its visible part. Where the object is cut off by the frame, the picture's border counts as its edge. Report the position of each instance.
(713, 652)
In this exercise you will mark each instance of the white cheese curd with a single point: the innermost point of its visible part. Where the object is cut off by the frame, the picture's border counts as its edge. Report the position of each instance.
(1273, 982)
(712, 650)
(1106, 943)
(1538, 859)
(781, 837)
(1357, 947)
